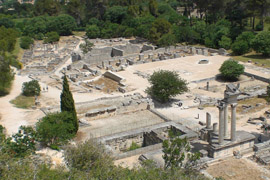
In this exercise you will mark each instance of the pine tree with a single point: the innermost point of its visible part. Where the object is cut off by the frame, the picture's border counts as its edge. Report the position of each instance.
(67, 102)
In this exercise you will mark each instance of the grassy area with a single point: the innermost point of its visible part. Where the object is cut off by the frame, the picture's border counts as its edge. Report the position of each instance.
(253, 102)
(18, 51)
(255, 58)
(133, 146)
(79, 33)
(24, 102)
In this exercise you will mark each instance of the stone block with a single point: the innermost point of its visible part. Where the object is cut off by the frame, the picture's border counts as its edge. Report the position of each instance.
(117, 52)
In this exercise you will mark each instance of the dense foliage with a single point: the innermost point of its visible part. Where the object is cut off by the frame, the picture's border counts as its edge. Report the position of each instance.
(166, 84)
(55, 129)
(31, 88)
(67, 103)
(231, 70)
(6, 75)
(26, 41)
(20, 144)
(217, 24)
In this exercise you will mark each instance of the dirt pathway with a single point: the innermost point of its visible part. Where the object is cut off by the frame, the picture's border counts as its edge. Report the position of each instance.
(11, 117)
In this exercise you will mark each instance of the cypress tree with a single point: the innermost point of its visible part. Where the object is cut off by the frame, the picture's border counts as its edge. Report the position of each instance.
(67, 102)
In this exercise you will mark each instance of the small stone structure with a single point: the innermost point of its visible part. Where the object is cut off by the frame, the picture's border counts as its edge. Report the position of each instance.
(148, 138)
(220, 143)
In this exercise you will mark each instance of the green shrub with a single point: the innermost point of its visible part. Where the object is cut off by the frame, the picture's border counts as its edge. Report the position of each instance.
(55, 129)
(26, 41)
(31, 88)
(225, 42)
(133, 146)
(231, 70)
(51, 37)
(166, 84)
(240, 47)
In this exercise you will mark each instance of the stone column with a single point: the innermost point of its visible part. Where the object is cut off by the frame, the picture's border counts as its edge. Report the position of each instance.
(215, 129)
(226, 120)
(221, 123)
(233, 122)
(208, 120)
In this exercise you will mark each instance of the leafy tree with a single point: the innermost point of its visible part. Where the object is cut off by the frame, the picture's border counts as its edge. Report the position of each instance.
(26, 41)
(6, 75)
(7, 39)
(153, 7)
(116, 14)
(177, 153)
(225, 42)
(22, 143)
(6, 22)
(88, 157)
(77, 10)
(166, 84)
(261, 43)
(56, 129)
(63, 24)
(246, 36)
(167, 40)
(31, 88)
(86, 46)
(49, 7)
(51, 37)
(92, 31)
(240, 47)
(67, 103)
(162, 26)
(231, 70)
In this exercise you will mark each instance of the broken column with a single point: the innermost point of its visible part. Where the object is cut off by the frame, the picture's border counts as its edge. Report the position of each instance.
(208, 120)
(221, 123)
(233, 122)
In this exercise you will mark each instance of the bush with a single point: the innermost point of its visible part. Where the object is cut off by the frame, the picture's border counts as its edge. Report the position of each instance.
(92, 31)
(240, 47)
(31, 88)
(26, 41)
(261, 43)
(225, 42)
(55, 129)
(231, 70)
(51, 37)
(166, 84)
(22, 143)
(259, 27)
(167, 40)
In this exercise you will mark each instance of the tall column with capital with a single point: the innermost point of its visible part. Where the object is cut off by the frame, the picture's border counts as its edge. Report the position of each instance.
(233, 122)
(226, 120)
(221, 123)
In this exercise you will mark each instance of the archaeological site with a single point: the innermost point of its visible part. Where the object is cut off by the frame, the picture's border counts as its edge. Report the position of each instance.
(226, 122)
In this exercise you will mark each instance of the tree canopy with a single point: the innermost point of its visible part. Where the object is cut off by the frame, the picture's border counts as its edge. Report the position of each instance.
(165, 84)
(231, 69)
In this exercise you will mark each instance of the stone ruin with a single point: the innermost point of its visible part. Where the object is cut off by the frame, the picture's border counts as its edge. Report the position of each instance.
(46, 58)
(220, 144)
(148, 139)
(116, 55)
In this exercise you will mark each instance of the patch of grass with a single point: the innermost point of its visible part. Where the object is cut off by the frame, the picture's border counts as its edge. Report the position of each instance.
(79, 33)
(253, 102)
(133, 146)
(255, 58)
(24, 102)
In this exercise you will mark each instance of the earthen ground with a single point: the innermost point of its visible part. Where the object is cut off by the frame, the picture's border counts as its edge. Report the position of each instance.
(238, 169)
